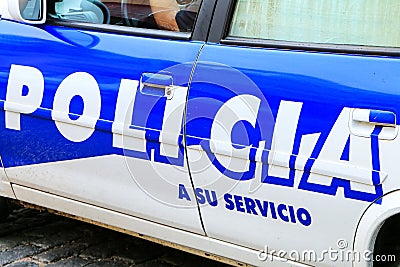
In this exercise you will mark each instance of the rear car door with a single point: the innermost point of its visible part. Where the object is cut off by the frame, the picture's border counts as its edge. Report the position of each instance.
(293, 121)
(92, 108)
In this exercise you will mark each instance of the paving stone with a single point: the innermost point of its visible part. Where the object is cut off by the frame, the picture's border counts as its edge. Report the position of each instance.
(101, 250)
(23, 264)
(177, 258)
(110, 263)
(17, 253)
(11, 241)
(156, 263)
(71, 262)
(121, 247)
(61, 236)
(140, 254)
(59, 253)
(50, 229)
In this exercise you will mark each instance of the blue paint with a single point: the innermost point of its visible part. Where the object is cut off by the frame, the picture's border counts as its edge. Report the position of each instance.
(383, 117)
(25, 90)
(346, 151)
(182, 193)
(267, 209)
(376, 162)
(76, 107)
(60, 51)
(324, 83)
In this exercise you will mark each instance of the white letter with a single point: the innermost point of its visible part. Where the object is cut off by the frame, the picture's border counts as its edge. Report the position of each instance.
(77, 84)
(123, 136)
(238, 108)
(172, 123)
(16, 102)
(283, 138)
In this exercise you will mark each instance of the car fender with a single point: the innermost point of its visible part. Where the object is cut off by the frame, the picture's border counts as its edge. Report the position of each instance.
(370, 224)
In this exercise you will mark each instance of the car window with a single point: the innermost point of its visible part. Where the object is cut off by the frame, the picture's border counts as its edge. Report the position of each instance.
(172, 15)
(347, 22)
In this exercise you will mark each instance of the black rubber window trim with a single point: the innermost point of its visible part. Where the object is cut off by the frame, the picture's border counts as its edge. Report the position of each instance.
(347, 49)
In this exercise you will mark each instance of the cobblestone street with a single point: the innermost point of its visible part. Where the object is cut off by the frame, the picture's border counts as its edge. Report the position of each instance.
(33, 238)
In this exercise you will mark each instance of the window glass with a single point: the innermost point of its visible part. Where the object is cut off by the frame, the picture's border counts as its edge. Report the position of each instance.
(351, 22)
(173, 15)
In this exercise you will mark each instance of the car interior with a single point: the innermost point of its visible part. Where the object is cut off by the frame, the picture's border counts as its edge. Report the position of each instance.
(130, 13)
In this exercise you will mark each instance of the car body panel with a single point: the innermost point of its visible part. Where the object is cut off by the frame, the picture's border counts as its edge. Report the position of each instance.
(240, 148)
(90, 132)
(299, 165)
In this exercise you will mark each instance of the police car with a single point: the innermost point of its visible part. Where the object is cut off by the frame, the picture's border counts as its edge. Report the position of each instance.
(252, 132)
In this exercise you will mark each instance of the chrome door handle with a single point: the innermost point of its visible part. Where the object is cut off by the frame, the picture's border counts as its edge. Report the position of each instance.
(157, 84)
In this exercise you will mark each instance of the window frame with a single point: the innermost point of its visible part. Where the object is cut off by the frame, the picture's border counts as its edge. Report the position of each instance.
(221, 23)
(200, 29)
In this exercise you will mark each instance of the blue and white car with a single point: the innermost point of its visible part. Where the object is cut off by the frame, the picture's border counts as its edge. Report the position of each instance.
(263, 133)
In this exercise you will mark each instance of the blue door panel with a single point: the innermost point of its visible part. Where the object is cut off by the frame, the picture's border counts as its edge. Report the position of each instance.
(309, 93)
(110, 143)
(324, 83)
(60, 51)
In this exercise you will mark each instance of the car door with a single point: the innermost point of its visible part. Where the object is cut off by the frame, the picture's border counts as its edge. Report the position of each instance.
(292, 123)
(92, 108)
